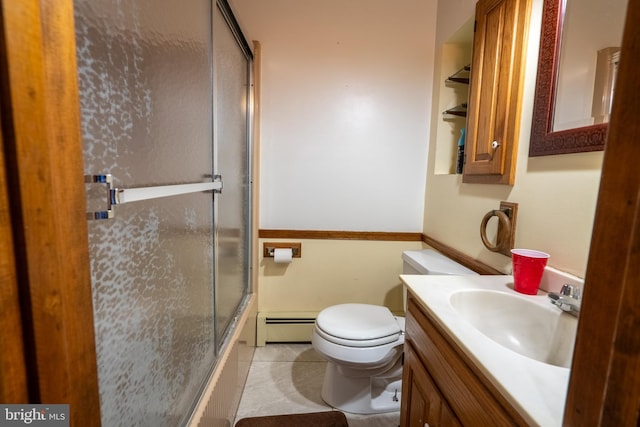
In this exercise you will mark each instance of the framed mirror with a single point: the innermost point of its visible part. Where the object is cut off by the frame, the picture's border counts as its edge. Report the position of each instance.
(577, 64)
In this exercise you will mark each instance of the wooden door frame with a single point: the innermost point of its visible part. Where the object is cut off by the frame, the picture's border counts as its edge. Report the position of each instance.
(46, 207)
(604, 387)
(13, 376)
(45, 192)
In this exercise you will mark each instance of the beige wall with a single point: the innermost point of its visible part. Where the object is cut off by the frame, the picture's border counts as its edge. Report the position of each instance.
(556, 195)
(332, 272)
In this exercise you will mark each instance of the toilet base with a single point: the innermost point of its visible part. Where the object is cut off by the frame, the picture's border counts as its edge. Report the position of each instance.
(363, 395)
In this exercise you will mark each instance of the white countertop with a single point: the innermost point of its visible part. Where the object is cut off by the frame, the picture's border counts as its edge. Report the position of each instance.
(536, 390)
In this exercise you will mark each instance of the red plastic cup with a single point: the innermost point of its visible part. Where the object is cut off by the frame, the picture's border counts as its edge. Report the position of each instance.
(528, 266)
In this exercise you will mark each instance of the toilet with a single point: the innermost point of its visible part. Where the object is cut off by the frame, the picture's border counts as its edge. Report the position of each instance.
(363, 345)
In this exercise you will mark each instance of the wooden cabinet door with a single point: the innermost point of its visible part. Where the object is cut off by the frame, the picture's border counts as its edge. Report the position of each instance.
(497, 71)
(462, 388)
(423, 405)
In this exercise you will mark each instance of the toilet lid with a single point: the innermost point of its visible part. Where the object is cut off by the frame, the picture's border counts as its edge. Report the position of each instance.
(358, 325)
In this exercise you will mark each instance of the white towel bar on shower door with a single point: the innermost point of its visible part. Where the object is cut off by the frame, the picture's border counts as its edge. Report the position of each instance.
(119, 196)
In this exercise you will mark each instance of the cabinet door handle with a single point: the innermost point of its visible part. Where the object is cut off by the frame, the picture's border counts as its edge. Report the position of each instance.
(494, 147)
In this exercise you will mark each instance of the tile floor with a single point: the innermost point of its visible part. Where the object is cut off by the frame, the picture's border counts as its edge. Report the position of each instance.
(287, 379)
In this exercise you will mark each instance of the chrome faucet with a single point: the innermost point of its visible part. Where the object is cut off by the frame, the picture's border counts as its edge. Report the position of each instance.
(568, 299)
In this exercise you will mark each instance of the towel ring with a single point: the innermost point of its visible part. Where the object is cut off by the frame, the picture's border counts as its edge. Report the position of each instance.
(504, 231)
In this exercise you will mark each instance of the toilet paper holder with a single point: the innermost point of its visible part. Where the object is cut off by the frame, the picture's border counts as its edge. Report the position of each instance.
(270, 247)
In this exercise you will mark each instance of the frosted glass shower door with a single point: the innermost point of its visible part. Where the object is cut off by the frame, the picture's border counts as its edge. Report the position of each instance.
(231, 71)
(147, 106)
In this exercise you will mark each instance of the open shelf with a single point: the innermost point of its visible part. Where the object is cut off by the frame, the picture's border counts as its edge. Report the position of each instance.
(458, 110)
(460, 76)
(453, 72)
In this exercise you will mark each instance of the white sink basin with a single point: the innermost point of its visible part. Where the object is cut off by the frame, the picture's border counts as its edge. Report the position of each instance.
(540, 332)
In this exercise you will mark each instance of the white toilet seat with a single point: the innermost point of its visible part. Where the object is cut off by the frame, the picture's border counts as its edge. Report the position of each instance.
(357, 357)
(358, 325)
(358, 335)
(357, 343)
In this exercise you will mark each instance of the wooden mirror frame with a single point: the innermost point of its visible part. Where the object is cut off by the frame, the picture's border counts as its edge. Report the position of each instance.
(544, 141)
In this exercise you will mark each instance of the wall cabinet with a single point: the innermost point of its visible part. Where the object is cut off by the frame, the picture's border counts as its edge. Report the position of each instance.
(497, 70)
(441, 386)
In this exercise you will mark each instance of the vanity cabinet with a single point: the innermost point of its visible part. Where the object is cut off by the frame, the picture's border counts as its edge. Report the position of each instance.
(497, 71)
(426, 405)
(441, 386)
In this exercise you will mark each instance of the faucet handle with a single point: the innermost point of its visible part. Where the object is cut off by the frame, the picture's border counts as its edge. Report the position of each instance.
(569, 290)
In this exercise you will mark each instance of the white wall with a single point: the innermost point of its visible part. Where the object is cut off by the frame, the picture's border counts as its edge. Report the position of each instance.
(346, 98)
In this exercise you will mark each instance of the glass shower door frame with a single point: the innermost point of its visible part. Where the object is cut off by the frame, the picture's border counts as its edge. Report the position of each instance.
(247, 183)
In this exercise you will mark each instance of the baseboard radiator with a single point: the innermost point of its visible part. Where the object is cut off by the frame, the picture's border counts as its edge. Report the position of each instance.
(292, 326)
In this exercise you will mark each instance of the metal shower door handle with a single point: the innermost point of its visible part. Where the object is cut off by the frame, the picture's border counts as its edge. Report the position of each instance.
(119, 196)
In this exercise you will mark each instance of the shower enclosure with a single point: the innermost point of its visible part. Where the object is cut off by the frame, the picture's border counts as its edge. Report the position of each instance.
(166, 107)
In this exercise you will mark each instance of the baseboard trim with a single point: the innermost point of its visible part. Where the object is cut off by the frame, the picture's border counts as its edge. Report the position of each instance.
(340, 235)
(383, 236)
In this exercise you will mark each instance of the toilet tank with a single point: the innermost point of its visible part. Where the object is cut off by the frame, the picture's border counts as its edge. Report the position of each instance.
(428, 261)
